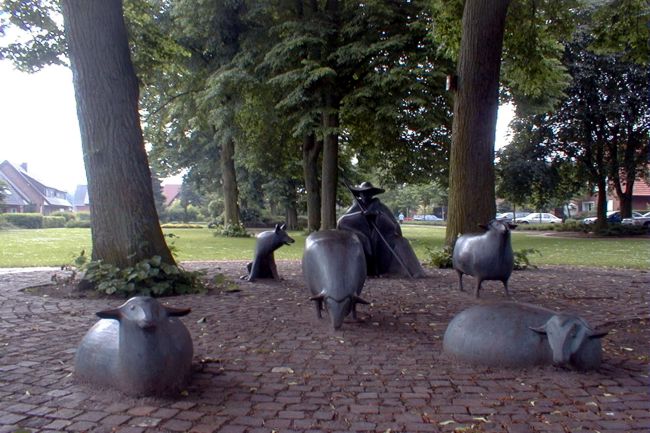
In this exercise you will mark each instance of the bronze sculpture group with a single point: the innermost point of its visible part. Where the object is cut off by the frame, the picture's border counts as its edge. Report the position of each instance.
(141, 348)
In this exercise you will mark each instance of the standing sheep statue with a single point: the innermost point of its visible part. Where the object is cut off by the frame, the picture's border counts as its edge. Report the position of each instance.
(334, 267)
(511, 334)
(140, 348)
(263, 264)
(487, 256)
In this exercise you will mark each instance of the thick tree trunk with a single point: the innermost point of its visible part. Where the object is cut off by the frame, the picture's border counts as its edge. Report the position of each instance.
(229, 178)
(330, 170)
(124, 226)
(311, 149)
(471, 165)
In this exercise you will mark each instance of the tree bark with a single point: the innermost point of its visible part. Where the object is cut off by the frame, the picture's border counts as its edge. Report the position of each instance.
(311, 149)
(229, 178)
(124, 226)
(330, 170)
(471, 165)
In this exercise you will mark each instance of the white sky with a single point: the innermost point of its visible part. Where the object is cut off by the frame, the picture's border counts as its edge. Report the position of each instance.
(38, 125)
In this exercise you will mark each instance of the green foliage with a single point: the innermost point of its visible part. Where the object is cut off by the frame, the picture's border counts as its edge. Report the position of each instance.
(39, 34)
(149, 277)
(67, 215)
(439, 257)
(78, 224)
(24, 220)
(621, 26)
(522, 262)
(50, 222)
(232, 231)
(181, 226)
(619, 230)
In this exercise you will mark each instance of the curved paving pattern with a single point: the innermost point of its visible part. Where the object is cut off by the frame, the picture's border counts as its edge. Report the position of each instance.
(264, 363)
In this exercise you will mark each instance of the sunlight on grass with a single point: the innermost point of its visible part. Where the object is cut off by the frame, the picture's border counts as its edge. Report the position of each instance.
(55, 247)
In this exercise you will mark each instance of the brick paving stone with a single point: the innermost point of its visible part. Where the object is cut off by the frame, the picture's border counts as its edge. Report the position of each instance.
(177, 425)
(81, 426)
(386, 372)
(115, 420)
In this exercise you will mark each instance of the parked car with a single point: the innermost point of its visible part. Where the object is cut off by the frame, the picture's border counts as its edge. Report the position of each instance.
(612, 217)
(509, 216)
(426, 218)
(638, 219)
(538, 218)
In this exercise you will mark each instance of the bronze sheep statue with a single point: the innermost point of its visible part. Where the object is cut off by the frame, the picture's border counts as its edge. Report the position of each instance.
(140, 348)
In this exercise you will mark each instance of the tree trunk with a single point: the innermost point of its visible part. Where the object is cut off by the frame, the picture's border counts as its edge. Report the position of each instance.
(601, 204)
(471, 164)
(229, 178)
(311, 149)
(124, 225)
(330, 171)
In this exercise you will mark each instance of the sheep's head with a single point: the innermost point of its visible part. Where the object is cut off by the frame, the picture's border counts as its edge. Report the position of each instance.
(144, 311)
(566, 334)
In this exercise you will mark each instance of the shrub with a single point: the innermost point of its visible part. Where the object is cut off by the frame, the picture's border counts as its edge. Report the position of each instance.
(67, 215)
(621, 230)
(53, 222)
(74, 224)
(82, 216)
(24, 220)
(232, 231)
(439, 257)
(521, 259)
(181, 226)
(149, 277)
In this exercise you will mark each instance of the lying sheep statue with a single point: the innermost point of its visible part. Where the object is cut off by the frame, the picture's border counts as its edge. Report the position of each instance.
(487, 256)
(510, 334)
(140, 348)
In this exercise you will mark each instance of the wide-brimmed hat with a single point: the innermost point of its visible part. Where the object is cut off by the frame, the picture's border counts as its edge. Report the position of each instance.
(367, 187)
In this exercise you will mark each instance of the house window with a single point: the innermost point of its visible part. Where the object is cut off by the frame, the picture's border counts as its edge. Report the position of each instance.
(588, 206)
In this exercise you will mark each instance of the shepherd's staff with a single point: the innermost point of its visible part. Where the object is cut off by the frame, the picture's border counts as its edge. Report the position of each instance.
(374, 226)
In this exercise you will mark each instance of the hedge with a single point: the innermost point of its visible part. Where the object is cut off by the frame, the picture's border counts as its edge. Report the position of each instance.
(24, 220)
(53, 222)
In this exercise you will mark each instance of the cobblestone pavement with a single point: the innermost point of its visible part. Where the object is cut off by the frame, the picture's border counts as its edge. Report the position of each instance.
(264, 363)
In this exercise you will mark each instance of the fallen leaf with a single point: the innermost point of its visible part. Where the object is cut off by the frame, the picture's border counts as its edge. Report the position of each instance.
(449, 421)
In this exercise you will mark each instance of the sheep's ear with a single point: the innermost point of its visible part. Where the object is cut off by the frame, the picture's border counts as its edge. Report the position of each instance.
(283, 227)
(277, 228)
(177, 312)
(598, 334)
(483, 226)
(512, 226)
(539, 329)
(113, 313)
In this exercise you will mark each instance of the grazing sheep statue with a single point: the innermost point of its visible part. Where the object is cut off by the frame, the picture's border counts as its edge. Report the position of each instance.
(334, 267)
(263, 264)
(510, 334)
(487, 256)
(140, 348)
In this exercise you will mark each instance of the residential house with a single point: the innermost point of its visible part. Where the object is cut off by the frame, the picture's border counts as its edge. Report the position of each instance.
(26, 194)
(80, 201)
(171, 193)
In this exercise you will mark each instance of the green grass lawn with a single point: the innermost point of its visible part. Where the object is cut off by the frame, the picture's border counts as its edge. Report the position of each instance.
(54, 247)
